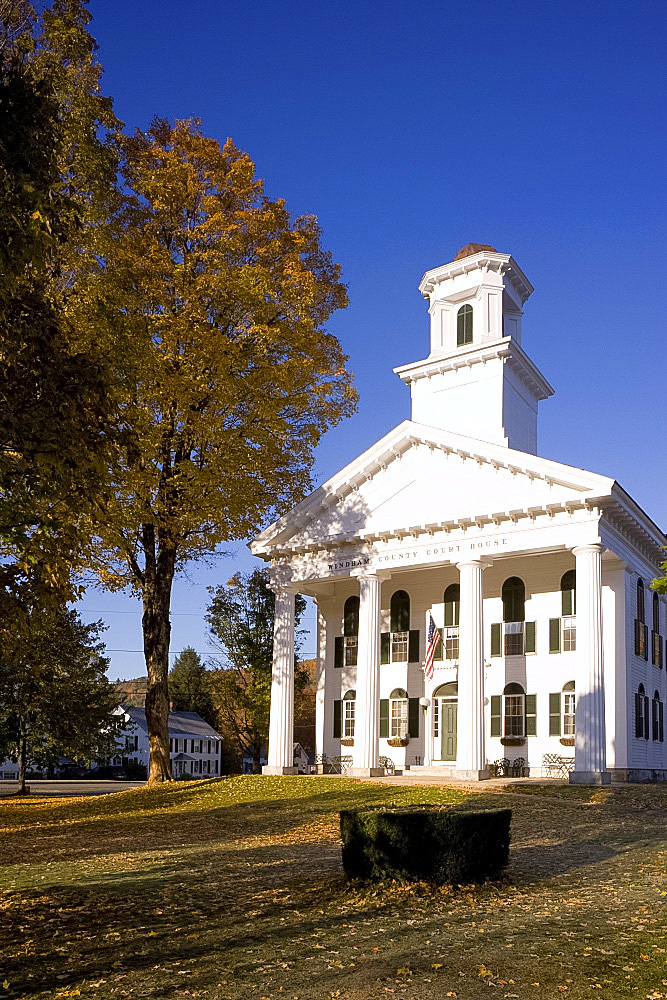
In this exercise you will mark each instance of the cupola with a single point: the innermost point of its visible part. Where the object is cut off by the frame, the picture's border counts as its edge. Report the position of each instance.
(477, 380)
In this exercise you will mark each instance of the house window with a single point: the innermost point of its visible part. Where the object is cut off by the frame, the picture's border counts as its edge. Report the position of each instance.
(514, 615)
(464, 326)
(641, 714)
(641, 629)
(452, 599)
(514, 710)
(658, 727)
(349, 702)
(398, 713)
(351, 630)
(569, 727)
(400, 626)
(656, 638)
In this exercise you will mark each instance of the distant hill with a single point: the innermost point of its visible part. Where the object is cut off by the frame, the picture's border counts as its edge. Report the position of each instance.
(132, 692)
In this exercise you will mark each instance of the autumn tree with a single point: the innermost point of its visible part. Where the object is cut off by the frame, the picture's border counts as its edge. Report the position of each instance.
(189, 686)
(214, 300)
(241, 616)
(57, 168)
(55, 699)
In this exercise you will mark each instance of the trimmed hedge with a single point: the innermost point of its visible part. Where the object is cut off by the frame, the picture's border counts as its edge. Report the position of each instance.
(425, 843)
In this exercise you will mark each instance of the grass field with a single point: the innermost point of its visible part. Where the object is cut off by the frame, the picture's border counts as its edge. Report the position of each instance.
(232, 889)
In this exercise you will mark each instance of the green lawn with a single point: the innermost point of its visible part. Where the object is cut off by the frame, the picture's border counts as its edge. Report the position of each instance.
(233, 889)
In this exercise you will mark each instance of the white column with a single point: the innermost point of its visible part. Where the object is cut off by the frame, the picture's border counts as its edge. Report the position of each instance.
(325, 606)
(470, 742)
(590, 766)
(281, 718)
(367, 710)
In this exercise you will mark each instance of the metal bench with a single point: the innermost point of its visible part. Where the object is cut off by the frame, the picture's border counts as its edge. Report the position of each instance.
(557, 766)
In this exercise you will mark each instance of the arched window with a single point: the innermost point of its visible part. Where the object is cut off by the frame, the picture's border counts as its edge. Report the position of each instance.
(400, 626)
(640, 600)
(514, 710)
(464, 326)
(398, 713)
(656, 638)
(569, 720)
(641, 629)
(568, 593)
(349, 704)
(658, 727)
(351, 630)
(641, 713)
(452, 600)
(514, 615)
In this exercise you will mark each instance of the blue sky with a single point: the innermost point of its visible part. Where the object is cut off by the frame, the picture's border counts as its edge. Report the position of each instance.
(411, 129)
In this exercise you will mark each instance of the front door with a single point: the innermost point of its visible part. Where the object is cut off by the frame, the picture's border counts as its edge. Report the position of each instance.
(448, 713)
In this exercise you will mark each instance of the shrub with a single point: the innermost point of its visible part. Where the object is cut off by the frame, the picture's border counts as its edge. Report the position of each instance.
(425, 843)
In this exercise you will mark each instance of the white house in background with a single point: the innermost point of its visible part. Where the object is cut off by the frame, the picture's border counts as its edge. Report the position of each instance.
(194, 747)
(301, 760)
(536, 574)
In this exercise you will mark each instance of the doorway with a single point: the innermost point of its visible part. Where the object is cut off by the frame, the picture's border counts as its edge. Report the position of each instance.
(445, 718)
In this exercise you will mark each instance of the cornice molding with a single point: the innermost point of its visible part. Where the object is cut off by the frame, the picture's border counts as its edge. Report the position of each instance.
(503, 263)
(465, 357)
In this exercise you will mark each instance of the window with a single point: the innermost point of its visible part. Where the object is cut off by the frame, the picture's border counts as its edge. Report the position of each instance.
(349, 703)
(464, 326)
(452, 600)
(400, 626)
(514, 615)
(569, 727)
(658, 727)
(568, 593)
(351, 631)
(656, 638)
(398, 713)
(513, 710)
(641, 713)
(641, 629)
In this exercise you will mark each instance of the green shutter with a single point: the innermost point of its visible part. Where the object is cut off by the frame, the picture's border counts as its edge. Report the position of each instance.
(554, 712)
(385, 643)
(384, 718)
(554, 635)
(413, 717)
(413, 645)
(440, 648)
(496, 713)
(646, 707)
(566, 603)
(496, 631)
(339, 651)
(530, 637)
(338, 719)
(531, 714)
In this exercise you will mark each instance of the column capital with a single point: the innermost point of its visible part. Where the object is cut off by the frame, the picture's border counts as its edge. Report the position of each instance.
(370, 574)
(482, 561)
(283, 589)
(588, 547)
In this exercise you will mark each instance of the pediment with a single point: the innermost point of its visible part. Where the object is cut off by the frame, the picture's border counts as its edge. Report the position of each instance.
(419, 478)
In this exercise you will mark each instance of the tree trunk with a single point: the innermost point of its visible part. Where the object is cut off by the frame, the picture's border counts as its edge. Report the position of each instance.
(22, 763)
(157, 633)
(256, 757)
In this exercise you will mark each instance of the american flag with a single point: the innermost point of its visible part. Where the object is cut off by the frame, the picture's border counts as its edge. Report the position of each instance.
(431, 646)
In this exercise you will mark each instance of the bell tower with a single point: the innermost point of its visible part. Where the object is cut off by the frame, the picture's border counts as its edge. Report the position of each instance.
(477, 380)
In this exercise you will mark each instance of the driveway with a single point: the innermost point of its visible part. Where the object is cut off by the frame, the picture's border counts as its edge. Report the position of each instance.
(70, 788)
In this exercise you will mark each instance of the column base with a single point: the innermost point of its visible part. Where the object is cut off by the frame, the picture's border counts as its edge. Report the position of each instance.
(590, 777)
(272, 769)
(462, 775)
(364, 772)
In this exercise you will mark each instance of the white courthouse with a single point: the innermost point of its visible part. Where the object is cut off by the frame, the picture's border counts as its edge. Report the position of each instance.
(536, 573)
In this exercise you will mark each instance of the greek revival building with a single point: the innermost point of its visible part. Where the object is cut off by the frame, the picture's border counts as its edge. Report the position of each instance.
(536, 574)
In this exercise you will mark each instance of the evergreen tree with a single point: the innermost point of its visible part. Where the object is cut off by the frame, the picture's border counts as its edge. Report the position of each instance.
(189, 686)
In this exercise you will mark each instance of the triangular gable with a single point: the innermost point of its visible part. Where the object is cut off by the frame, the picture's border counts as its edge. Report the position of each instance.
(419, 476)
